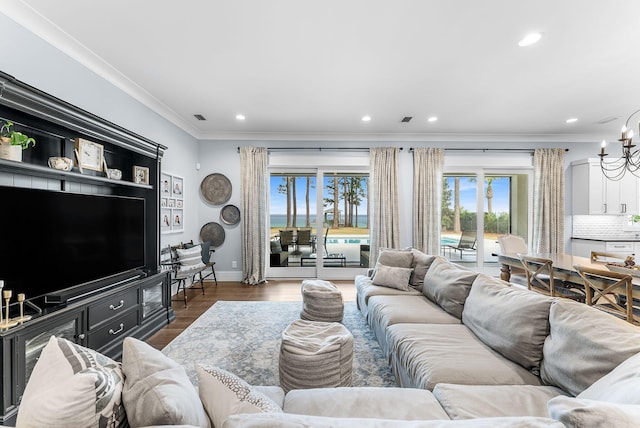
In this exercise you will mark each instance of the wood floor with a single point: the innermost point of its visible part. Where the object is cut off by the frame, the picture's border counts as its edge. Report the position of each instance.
(197, 303)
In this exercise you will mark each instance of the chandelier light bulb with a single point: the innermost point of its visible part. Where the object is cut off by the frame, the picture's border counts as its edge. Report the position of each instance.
(603, 145)
(630, 134)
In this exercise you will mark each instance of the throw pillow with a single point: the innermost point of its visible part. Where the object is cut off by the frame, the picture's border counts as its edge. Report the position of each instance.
(392, 277)
(224, 394)
(580, 413)
(395, 258)
(157, 390)
(190, 258)
(276, 247)
(73, 386)
(448, 285)
(421, 263)
(621, 385)
(206, 252)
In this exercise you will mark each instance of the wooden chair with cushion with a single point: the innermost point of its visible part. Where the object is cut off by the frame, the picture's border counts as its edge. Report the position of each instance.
(611, 292)
(304, 238)
(286, 239)
(184, 265)
(539, 273)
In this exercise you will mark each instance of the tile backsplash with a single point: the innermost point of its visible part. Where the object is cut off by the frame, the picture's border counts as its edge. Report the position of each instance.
(603, 226)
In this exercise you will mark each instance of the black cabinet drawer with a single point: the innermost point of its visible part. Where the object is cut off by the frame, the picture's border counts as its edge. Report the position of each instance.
(112, 330)
(112, 306)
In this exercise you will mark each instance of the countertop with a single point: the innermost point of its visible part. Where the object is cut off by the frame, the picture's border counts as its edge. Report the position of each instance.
(609, 239)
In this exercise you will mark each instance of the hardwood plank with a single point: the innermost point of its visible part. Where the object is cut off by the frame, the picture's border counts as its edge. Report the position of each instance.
(284, 290)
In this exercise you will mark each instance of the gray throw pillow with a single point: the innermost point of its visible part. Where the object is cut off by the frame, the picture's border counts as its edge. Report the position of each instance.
(395, 258)
(448, 285)
(392, 277)
(494, 312)
(421, 264)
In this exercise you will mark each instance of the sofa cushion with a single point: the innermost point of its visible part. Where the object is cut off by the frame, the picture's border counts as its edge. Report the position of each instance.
(365, 402)
(482, 401)
(365, 289)
(224, 394)
(190, 258)
(583, 345)
(421, 264)
(395, 257)
(580, 413)
(391, 276)
(388, 310)
(72, 386)
(423, 355)
(448, 285)
(157, 390)
(287, 420)
(621, 385)
(512, 321)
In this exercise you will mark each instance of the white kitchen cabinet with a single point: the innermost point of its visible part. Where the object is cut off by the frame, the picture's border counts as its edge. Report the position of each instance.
(593, 193)
(583, 247)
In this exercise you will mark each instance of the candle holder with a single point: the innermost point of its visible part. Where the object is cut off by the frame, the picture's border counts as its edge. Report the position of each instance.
(22, 318)
(7, 322)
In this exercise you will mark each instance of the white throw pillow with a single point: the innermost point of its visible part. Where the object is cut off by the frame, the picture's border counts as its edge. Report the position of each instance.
(580, 413)
(190, 258)
(392, 277)
(157, 390)
(621, 385)
(72, 386)
(224, 394)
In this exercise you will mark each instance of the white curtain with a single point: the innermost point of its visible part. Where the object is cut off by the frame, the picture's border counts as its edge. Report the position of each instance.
(548, 201)
(253, 169)
(385, 228)
(428, 164)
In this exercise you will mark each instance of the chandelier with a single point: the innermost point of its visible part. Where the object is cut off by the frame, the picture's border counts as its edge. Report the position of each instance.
(630, 159)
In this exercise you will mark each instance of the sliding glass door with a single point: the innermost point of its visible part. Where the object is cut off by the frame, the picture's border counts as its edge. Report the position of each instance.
(318, 223)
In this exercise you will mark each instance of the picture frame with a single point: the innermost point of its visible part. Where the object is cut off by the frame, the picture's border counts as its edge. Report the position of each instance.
(172, 208)
(90, 155)
(140, 174)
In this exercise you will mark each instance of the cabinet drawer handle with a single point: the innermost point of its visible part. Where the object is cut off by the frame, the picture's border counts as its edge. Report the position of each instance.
(114, 332)
(115, 308)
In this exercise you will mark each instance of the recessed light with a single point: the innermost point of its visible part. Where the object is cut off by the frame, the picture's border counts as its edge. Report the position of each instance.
(240, 117)
(366, 118)
(572, 120)
(432, 119)
(530, 39)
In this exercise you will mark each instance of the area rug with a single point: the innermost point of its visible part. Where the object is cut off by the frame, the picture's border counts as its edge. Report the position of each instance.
(244, 338)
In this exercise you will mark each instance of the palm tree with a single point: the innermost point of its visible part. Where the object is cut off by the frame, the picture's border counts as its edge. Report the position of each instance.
(456, 204)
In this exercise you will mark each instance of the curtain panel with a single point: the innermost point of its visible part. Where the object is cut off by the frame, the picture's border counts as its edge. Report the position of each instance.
(385, 228)
(253, 170)
(428, 164)
(548, 201)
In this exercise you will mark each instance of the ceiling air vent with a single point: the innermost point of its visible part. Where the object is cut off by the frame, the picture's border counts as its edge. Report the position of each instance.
(406, 119)
(199, 117)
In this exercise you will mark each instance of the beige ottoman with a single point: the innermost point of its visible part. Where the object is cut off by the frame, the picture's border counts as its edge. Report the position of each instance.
(315, 355)
(321, 301)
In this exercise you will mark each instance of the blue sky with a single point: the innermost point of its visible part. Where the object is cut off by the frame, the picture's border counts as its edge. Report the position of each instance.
(500, 202)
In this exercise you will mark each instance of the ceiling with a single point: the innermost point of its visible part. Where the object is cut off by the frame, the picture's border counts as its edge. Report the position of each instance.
(310, 70)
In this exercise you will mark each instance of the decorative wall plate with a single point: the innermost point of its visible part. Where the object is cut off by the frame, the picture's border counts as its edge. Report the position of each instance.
(212, 232)
(216, 188)
(230, 214)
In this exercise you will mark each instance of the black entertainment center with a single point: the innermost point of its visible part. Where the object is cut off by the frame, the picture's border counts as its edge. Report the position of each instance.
(82, 248)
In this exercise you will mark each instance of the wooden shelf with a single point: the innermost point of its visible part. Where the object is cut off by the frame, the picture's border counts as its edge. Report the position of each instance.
(46, 172)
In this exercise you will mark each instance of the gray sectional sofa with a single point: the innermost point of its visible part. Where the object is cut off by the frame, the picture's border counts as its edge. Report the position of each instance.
(488, 349)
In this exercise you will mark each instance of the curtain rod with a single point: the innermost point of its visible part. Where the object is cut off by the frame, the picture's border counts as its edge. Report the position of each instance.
(489, 150)
(321, 149)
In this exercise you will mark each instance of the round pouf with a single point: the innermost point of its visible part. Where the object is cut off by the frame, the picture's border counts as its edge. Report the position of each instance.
(321, 301)
(315, 355)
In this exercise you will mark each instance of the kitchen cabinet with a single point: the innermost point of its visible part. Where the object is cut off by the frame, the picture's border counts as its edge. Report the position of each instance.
(593, 193)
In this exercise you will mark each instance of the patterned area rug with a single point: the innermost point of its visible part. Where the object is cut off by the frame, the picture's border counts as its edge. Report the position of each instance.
(244, 338)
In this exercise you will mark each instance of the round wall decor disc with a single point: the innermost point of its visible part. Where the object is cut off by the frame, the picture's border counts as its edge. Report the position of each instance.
(212, 232)
(216, 188)
(230, 214)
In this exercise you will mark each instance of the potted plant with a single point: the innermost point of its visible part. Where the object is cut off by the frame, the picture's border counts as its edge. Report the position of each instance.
(13, 142)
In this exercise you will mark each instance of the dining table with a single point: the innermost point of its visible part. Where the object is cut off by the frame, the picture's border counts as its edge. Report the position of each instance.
(563, 266)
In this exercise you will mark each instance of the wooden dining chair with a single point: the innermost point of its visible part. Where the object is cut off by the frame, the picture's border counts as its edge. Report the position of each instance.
(539, 274)
(610, 292)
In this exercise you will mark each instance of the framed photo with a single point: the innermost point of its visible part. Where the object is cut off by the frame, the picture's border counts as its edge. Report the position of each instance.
(176, 186)
(140, 174)
(172, 208)
(90, 155)
(165, 184)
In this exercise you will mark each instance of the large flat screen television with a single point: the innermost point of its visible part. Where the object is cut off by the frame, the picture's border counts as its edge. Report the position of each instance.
(54, 240)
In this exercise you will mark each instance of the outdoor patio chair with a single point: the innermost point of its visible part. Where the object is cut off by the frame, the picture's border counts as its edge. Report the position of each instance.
(467, 242)
(304, 238)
